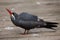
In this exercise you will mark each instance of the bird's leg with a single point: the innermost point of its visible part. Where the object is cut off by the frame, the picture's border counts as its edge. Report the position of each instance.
(25, 31)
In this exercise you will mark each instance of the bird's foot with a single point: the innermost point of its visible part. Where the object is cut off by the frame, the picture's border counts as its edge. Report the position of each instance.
(24, 33)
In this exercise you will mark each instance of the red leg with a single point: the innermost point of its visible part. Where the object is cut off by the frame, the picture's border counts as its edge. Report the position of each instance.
(27, 31)
(24, 31)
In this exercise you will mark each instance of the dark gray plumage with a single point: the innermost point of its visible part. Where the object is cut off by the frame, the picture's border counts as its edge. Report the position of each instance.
(28, 21)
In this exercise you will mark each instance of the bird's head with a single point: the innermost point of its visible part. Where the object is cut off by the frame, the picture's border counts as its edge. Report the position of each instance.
(13, 15)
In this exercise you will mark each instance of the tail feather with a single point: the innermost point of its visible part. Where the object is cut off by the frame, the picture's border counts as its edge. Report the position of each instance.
(50, 25)
(51, 22)
(51, 28)
(46, 24)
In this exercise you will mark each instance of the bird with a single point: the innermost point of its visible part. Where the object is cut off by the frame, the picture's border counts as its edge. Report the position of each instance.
(28, 21)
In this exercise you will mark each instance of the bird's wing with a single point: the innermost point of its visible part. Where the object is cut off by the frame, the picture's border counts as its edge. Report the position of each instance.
(27, 17)
(29, 23)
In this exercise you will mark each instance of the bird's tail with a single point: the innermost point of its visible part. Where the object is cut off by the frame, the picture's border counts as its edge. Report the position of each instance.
(50, 25)
(51, 22)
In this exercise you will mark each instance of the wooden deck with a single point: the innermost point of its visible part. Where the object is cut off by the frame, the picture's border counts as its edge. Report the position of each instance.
(48, 10)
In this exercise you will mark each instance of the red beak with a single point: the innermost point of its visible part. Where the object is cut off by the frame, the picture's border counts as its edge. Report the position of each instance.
(9, 11)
